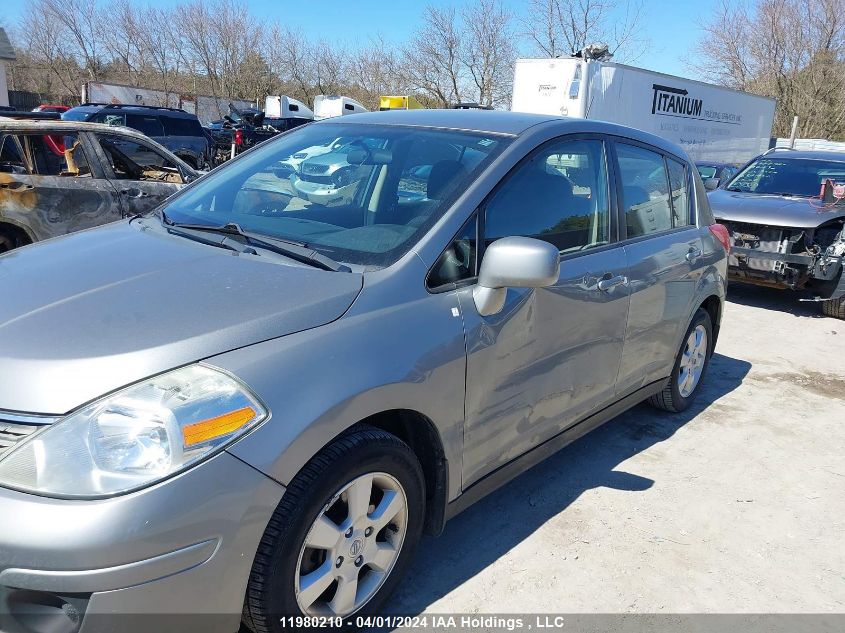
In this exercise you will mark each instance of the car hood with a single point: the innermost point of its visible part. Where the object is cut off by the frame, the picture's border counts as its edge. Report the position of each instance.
(86, 314)
(735, 206)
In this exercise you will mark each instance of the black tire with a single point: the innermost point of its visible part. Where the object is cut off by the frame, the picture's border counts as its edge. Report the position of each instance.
(670, 399)
(270, 592)
(834, 308)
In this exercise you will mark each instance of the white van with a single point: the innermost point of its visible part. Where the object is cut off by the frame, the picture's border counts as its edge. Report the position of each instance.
(328, 106)
(710, 122)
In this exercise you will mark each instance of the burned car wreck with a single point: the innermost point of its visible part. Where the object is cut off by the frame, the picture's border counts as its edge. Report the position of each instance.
(57, 177)
(785, 213)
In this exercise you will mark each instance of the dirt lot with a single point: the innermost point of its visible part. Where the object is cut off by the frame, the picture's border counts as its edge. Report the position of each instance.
(736, 506)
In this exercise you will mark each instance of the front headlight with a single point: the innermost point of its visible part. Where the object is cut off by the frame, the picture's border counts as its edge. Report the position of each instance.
(135, 437)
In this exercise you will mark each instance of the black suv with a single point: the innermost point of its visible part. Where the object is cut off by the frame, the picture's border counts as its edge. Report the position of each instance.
(178, 130)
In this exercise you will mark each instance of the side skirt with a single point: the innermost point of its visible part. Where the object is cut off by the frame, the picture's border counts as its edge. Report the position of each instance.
(502, 475)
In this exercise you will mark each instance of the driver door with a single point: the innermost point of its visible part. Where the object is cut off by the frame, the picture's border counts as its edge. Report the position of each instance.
(143, 176)
(550, 358)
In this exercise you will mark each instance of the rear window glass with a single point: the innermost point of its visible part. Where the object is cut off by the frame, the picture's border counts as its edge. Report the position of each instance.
(174, 126)
(146, 124)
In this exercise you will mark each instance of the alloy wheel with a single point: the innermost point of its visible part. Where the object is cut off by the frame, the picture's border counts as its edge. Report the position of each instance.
(692, 361)
(352, 546)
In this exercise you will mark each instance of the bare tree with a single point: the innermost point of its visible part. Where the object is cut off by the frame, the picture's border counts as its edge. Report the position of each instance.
(563, 27)
(792, 50)
(488, 51)
(433, 58)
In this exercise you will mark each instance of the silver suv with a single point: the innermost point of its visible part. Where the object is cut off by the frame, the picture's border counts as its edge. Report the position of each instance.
(249, 405)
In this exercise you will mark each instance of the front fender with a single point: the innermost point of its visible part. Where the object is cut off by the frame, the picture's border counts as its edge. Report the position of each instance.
(398, 347)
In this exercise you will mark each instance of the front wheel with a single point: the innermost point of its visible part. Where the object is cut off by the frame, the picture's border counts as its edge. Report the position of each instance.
(343, 534)
(689, 368)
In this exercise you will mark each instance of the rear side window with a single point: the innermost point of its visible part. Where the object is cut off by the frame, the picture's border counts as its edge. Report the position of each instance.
(146, 124)
(678, 182)
(131, 160)
(645, 190)
(174, 126)
(55, 154)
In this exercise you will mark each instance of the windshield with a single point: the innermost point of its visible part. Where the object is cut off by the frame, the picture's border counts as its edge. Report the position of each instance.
(788, 176)
(364, 200)
(706, 171)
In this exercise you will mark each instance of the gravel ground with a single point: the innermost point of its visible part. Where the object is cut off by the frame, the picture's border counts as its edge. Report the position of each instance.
(735, 506)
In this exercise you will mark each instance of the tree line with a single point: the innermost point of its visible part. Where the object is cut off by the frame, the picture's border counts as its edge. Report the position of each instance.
(792, 50)
(220, 48)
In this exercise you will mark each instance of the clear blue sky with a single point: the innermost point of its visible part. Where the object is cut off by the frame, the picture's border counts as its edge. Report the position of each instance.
(672, 26)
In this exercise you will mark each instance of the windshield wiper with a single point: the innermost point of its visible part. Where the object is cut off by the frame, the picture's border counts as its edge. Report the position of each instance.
(298, 251)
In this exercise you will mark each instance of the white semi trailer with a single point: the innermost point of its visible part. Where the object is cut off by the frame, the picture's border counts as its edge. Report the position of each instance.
(710, 122)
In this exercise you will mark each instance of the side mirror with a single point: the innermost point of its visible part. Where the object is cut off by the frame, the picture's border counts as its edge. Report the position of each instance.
(711, 183)
(514, 262)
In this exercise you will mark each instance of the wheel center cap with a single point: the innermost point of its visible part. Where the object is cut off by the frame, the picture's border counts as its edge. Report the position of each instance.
(357, 547)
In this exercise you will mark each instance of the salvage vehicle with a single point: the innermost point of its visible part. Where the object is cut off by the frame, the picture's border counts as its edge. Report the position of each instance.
(177, 130)
(246, 128)
(293, 162)
(785, 212)
(57, 177)
(238, 409)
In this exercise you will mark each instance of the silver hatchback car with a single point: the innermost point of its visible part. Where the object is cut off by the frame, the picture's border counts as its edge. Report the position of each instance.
(248, 406)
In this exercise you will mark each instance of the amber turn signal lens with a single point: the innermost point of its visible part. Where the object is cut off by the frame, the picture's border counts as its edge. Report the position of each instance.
(212, 428)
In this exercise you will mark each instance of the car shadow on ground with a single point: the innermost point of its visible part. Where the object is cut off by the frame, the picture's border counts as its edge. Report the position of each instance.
(788, 301)
(492, 527)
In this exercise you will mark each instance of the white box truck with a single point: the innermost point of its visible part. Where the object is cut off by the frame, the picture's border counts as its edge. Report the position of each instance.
(710, 122)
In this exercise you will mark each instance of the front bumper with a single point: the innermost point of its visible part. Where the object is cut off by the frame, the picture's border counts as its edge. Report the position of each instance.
(172, 557)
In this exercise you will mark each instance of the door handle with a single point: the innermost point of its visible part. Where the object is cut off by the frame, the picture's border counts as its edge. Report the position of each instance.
(693, 254)
(609, 283)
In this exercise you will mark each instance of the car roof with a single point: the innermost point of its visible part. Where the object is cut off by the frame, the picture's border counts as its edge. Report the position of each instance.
(500, 122)
(494, 122)
(53, 126)
(791, 154)
(61, 125)
(120, 107)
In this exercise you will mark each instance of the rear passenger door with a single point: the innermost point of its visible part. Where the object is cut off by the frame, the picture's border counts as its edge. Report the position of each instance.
(143, 176)
(663, 251)
(55, 184)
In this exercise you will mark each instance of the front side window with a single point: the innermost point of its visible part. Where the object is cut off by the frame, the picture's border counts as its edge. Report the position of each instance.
(131, 160)
(777, 175)
(360, 194)
(645, 190)
(55, 154)
(559, 194)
